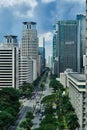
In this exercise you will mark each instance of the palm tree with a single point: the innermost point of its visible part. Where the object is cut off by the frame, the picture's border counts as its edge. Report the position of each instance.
(72, 121)
(49, 100)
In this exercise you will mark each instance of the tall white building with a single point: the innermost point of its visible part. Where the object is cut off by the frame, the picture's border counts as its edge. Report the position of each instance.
(29, 46)
(41, 41)
(11, 40)
(9, 71)
(25, 70)
(30, 40)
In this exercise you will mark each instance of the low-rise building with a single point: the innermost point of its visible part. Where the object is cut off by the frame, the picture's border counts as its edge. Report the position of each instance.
(63, 77)
(77, 94)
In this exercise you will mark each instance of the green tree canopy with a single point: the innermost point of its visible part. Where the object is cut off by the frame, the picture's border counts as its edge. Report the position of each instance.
(9, 105)
(49, 100)
(72, 121)
(26, 89)
(5, 119)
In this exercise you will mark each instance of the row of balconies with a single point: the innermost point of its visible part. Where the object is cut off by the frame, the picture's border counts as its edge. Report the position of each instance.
(84, 111)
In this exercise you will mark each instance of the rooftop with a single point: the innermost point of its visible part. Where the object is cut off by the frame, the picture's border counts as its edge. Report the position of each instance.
(12, 36)
(77, 76)
(29, 23)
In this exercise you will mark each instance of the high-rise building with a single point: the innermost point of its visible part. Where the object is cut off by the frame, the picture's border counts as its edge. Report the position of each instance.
(49, 62)
(9, 70)
(25, 70)
(54, 47)
(39, 69)
(11, 40)
(67, 45)
(55, 59)
(82, 23)
(29, 40)
(54, 42)
(81, 40)
(41, 51)
(29, 47)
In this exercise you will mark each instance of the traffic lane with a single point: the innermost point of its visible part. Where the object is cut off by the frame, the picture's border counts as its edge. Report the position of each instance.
(36, 121)
(22, 116)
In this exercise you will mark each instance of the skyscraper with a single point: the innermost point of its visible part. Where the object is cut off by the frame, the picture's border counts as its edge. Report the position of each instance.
(67, 45)
(81, 40)
(41, 50)
(29, 40)
(29, 47)
(55, 46)
(9, 70)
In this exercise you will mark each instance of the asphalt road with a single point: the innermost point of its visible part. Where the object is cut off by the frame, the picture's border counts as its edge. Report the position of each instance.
(33, 104)
(28, 106)
(38, 116)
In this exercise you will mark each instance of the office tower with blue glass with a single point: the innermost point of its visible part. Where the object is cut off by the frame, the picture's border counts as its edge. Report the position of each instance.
(67, 42)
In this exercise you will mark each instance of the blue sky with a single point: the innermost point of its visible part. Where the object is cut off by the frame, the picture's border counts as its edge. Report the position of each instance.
(44, 12)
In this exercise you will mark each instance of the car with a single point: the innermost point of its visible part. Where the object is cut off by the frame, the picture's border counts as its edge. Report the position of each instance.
(40, 115)
(40, 118)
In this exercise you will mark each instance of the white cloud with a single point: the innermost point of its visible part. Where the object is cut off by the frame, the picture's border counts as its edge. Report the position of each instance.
(48, 1)
(80, 1)
(13, 3)
(29, 13)
(7, 3)
(48, 36)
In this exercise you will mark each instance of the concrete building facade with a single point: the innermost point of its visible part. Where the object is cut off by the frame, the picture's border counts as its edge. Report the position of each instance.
(9, 69)
(29, 47)
(29, 40)
(25, 70)
(63, 77)
(77, 94)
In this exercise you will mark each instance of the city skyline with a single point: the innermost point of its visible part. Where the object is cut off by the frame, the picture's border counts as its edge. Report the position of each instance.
(44, 12)
(38, 90)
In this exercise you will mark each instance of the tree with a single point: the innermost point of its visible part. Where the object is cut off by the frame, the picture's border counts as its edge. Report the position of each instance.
(11, 110)
(48, 127)
(49, 119)
(72, 121)
(66, 105)
(21, 129)
(54, 84)
(29, 115)
(49, 110)
(26, 124)
(5, 119)
(49, 100)
(9, 106)
(9, 97)
(42, 86)
(26, 89)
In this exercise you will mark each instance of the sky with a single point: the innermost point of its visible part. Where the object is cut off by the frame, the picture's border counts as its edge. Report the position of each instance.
(45, 12)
